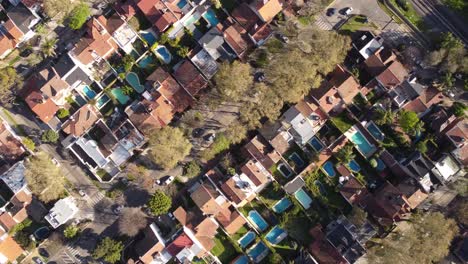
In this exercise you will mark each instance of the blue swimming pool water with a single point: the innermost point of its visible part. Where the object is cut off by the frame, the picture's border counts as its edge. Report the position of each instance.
(282, 205)
(258, 252)
(181, 3)
(275, 235)
(303, 198)
(297, 160)
(241, 260)
(80, 100)
(321, 187)
(134, 81)
(102, 101)
(284, 170)
(375, 132)
(380, 165)
(88, 92)
(246, 239)
(149, 37)
(120, 96)
(163, 53)
(258, 220)
(146, 61)
(354, 166)
(329, 169)
(362, 144)
(42, 233)
(210, 17)
(316, 144)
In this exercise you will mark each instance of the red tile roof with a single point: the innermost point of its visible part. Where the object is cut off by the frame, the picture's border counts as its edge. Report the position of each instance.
(7, 221)
(190, 78)
(181, 242)
(267, 9)
(237, 39)
(13, 31)
(161, 14)
(81, 121)
(353, 191)
(10, 249)
(259, 149)
(6, 45)
(245, 16)
(45, 109)
(254, 173)
(322, 250)
(231, 220)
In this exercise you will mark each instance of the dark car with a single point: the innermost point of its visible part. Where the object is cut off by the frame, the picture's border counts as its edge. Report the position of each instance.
(331, 11)
(198, 132)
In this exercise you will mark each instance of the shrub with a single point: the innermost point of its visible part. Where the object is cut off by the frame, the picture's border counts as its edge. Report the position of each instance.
(50, 136)
(79, 15)
(71, 231)
(159, 203)
(192, 169)
(62, 112)
(373, 163)
(29, 144)
(459, 109)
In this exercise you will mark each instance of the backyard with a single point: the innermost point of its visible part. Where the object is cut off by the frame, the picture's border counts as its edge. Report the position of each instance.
(223, 248)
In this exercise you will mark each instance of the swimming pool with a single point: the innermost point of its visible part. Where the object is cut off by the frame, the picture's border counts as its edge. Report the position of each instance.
(146, 61)
(241, 260)
(42, 233)
(284, 170)
(163, 53)
(328, 168)
(354, 166)
(303, 198)
(297, 160)
(380, 165)
(375, 131)
(276, 235)
(210, 17)
(181, 3)
(88, 92)
(362, 144)
(258, 252)
(104, 99)
(80, 100)
(321, 187)
(134, 81)
(149, 37)
(282, 205)
(120, 96)
(316, 144)
(246, 239)
(258, 220)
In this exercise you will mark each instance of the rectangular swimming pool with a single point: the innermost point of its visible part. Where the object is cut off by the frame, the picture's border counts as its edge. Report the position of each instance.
(258, 220)
(210, 17)
(284, 170)
(375, 131)
(246, 239)
(258, 252)
(297, 160)
(362, 144)
(282, 205)
(329, 169)
(303, 198)
(276, 235)
(316, 144)
(88, 92)
(354, 166)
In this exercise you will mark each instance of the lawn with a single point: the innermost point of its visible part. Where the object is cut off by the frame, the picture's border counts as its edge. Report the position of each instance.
(407, 9)
(223, 248)
(297, 223)
(356, 23)
(241, 232)
(272, 194)
(342, 122)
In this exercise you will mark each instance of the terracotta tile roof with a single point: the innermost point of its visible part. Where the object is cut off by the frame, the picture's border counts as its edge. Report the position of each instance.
(254, 173)
(345, 83)
(181, 242)
(127, 10)
(190, 78)
(45, 109)
(112, 24)
(204, 197)
(327, 97)
(387, 202)
(388, 79)
(342, 170)
(232, 191)
(267, 10)
(279, 143)
(261, 33)
(7, 221)
(170, 89)
(415, 195)
(431, 96)
(97, 40)
(154, 10)
(374, 65)
(353, 191)
(81, 121)
(31, 3)
(416, 106)
(245, 16)
(204, 228)
(10, 249)
(51, 85)
(10, 147)
(259, 149)
(231, 220)
(398, 70)
(13, 31)
(5, 45)
(237, 38)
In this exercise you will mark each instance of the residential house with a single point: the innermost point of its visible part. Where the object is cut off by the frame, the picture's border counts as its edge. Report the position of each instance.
(260, 150)
(236, 37)
(405, 92)
(95, 46)
(70, 72)
(377, 63)
(63, 210)
(149, 248)
(294, 185)
(190, 78)
(427, 98)
(352, 190)
(11, 148)
(81, 121)
(9, 249)
(366, 43)
(415, 196)
(266, 10)
(392, 76)
(204, 62)
(440, 121)
(457, 136)
(258, 31)
(161, 14)
(322, 250)
(120, 31)
(212, 203)
(213, 42)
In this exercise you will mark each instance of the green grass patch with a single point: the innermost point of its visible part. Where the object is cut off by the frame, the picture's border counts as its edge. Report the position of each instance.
(356, 23)
(272, 194)
(342, 122)
(223, 248)
(10, 118)
(305, 20)
(274, 45)
(240, 233)
(407, 9)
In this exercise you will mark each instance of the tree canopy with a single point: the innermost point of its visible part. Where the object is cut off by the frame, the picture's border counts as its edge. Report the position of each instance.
(10, 82)
(168, 146)
(159, 203)
(79, 15)
(108, 250)
(132, 221)
(451, 57)
(53, 8)
(426, 240)
(233, 80)
(71, 231)
(408, 120)
(44, 178)
(345, 154)
(50, 136)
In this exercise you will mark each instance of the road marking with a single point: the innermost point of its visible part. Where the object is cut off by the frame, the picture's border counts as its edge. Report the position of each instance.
(322, 23)
(96, 198)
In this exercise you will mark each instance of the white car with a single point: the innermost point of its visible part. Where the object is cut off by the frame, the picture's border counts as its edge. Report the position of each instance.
(166, 180)
(81, 193)
(347, 11)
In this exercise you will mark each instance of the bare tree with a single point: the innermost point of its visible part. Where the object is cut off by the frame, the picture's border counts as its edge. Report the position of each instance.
(132, 221)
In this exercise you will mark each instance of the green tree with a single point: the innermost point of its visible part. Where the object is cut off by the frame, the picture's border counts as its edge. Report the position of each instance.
(159, 203)
(461, 212)
(183, 51)
(29, 144)
(168, 146)
(384, 117)
(408, 120)
(426, 240)
(127, 62)
(127, 90)
(50, 136)
(10, 82)
(458, 5)
(459, 109)
(233, 80)
(23, 239)
(71, 231)
(192, 169)
(48, 47)
(421, 146)
(79, 15)
(236, 132)
(44, 178)
(451, 56)
(373, 162)
(108, 250)
(216, 4)
(62, 113)
(346, 153)
(220, 144)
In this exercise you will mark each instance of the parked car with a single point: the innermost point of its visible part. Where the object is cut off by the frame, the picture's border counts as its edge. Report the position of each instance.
(331, 11)
(81, 193)
(118, 209)
(198, 132)
(347, 11)
(166, 180)
(38, 260)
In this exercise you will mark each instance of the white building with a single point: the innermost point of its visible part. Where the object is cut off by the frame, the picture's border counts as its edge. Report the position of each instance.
(63, 210)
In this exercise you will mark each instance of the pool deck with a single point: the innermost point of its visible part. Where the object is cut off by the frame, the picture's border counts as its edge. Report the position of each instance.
(367, 136)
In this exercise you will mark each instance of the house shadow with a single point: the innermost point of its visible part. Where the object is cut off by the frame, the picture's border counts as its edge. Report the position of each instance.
(88, 241)
(135, 196)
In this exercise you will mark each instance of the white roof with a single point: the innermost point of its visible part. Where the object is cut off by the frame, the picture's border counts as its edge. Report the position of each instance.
(91, 148)
(14, 177)
(62, 211)
(300, 124)
(447, 167)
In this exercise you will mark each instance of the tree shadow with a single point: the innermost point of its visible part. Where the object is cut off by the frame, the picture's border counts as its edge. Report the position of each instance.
(135, 196)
